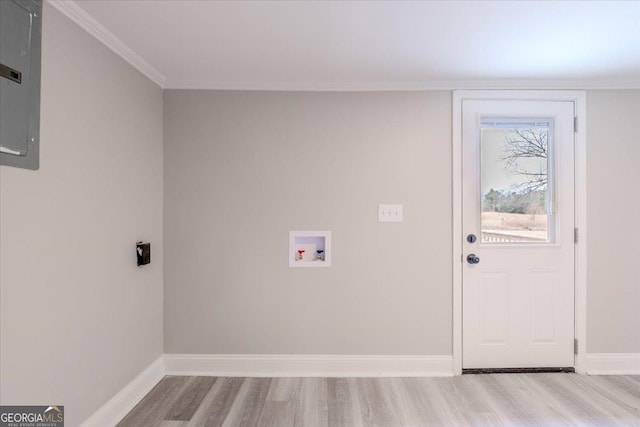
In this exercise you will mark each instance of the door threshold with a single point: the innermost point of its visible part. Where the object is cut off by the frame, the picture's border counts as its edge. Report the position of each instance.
(516, 370)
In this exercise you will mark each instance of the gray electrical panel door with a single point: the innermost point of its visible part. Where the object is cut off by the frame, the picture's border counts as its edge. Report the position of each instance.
(20, 41)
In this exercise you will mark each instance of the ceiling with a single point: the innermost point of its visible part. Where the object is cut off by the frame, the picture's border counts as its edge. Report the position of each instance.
(374, 45)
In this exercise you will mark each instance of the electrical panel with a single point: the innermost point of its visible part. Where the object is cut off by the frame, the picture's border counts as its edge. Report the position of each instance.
(20, 54)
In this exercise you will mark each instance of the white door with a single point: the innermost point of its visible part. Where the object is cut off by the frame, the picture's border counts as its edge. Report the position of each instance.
(518, 234)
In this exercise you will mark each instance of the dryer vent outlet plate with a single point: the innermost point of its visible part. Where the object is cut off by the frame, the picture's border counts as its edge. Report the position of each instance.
(143, 253)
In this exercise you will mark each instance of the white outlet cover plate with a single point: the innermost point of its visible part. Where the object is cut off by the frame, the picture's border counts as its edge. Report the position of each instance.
(390, 213)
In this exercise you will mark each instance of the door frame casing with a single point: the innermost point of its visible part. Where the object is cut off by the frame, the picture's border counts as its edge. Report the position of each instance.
(580, 207)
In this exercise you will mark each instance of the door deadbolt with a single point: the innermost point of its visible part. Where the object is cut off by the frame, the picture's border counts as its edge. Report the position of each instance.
(471, 238)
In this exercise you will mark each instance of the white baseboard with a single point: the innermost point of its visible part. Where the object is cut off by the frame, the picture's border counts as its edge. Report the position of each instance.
(275, 365)
(612, 363)
(119, 405)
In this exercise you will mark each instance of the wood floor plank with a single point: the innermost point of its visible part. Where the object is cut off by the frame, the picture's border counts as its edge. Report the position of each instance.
(430, 407)
(277, 413)
(551, 399)
(539, 406)
(460, 412)
(283, 389)
(152, 409)
(514, 408)
(614, 390)
(624, 383)
(398, 401)
(247, 406)
(374, 408)
(217, 403)
(635, 378)
(589, 407)
(311, 403)
(190, 399)
(608, 409)
(481, 406)
(343, 406)
(566, 416)
(626, 406)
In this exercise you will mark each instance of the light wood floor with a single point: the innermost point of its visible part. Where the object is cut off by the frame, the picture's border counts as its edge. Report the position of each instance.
(500, 399)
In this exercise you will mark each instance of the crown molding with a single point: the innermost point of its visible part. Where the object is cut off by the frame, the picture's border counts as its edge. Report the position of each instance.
(70, 9)
(541, 84)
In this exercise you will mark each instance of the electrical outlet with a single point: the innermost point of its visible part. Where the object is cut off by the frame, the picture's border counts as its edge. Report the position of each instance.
(389, 213)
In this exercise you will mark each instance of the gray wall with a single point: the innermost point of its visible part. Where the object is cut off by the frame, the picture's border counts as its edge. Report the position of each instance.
(244, 168)
(78, 319)
(614, 210)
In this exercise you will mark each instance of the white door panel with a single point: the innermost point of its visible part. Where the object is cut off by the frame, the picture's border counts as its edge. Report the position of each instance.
(518, 301)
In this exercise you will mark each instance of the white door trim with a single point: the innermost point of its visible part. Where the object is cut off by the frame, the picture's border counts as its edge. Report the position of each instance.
(579, 99)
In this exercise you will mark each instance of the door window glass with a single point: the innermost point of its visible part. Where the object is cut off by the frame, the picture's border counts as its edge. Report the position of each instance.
(516, 181)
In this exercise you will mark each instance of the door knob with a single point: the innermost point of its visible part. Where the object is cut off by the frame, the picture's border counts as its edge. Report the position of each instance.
(473, 259)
